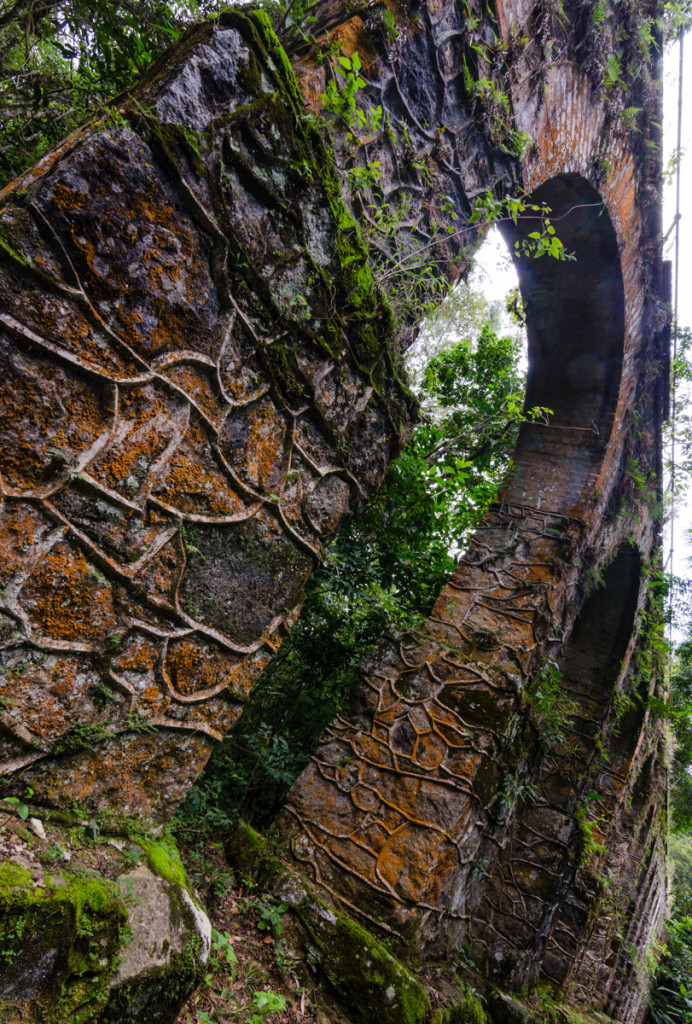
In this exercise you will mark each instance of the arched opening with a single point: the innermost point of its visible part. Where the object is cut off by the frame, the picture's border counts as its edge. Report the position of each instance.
(536, 917)
(575, 325)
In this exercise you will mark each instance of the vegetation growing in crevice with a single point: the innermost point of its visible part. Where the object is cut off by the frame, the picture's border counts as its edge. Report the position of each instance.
(386, 568)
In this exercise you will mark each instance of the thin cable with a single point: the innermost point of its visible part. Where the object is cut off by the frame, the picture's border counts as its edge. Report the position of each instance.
(676, 267)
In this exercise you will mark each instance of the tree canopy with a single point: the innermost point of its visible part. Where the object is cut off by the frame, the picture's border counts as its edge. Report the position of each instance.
(62, 59)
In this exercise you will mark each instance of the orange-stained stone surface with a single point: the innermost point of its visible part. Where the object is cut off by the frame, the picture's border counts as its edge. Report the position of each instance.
(178, 440)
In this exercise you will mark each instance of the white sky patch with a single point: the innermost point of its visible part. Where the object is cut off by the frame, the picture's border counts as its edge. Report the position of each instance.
(682, 557)
(493, 273)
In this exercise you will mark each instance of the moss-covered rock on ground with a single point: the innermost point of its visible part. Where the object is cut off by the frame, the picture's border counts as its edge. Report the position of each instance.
(368, 979)
(96, 927)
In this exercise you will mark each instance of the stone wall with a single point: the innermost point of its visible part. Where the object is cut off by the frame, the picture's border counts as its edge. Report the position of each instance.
(444, 805)
(199, 384)
(200, 331)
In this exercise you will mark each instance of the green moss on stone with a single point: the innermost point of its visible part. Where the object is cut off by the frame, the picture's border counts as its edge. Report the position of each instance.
(14, 254)
(369, 980)
(164, 860)
(373, 983)
(468, 1010)
(77, 923)
(177, 137)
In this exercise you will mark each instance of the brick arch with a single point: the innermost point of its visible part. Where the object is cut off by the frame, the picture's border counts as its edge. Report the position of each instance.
(534, 913)
(575, 318)
(400, 815)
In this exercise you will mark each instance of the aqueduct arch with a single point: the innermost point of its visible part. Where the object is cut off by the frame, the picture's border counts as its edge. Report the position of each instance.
(411, 807)
(200, 382)
(575, 320)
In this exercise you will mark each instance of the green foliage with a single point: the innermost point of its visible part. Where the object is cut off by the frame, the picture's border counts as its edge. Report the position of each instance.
(677, 17)
(671, 1001)
(552, 711)
(62, 59)
(265, 1004)
(514, 791)
(385, 570)
(222, 953)
(487, 208)
(340, 96)
(82, 737)
(589, 825)
(681, 715)
(21, 804)
(679, 429)
(270, 918)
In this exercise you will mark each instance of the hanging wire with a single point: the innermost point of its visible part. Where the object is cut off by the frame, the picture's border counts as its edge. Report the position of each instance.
(676, 267)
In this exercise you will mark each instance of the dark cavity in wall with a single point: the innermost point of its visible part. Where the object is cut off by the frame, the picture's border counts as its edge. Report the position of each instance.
(575, 324)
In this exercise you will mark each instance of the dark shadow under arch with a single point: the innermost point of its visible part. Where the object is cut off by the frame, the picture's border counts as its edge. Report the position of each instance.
(575, 318)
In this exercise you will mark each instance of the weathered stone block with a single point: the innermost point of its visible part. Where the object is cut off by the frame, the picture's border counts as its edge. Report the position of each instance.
(95, 931)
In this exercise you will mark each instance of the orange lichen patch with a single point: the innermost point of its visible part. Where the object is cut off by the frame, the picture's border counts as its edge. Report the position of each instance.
(340, 815)
(361, 859)
(51, 692)
(50, 416)
(160, 576)
(60, 322)
(130, 236)
(200, 384)
(151, 424)
(448, 726)
(193, 481)
(365, 798)
(139, 773)
(253, 442)
(151, 701)
(404, 864)
(22, 528)
(370, 749)
(429, 750)
(421, 800)
(140, 654)
(66, 598)
(463, 763)
(193, 664)
(312, 82)
(351, 37)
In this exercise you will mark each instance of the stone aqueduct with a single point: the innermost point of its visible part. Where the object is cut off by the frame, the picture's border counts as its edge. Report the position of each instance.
(201, 381)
